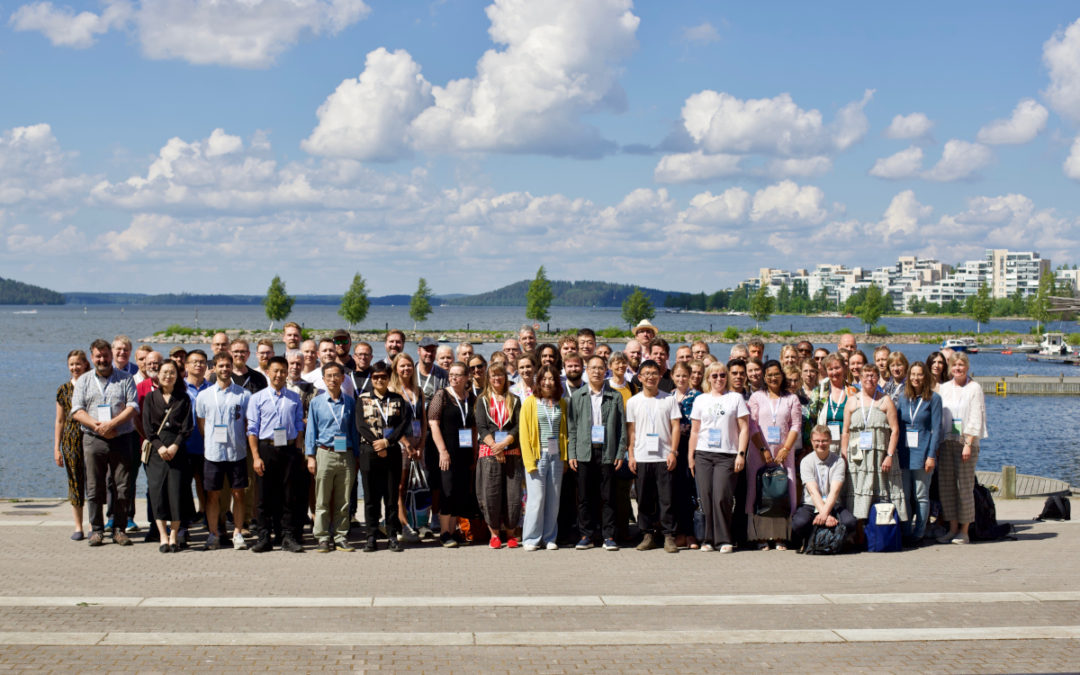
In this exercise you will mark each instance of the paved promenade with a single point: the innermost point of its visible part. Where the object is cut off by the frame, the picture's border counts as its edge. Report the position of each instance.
(1011, 606)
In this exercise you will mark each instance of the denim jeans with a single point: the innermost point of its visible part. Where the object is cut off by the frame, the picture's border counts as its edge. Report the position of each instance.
(917, 493)
(542, 488)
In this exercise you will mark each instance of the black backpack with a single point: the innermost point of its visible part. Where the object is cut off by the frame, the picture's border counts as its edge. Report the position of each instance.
(826, 540)
(986, 526)
(1057, 507)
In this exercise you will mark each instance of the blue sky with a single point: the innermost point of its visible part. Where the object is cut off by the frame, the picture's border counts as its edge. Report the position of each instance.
(680, 145)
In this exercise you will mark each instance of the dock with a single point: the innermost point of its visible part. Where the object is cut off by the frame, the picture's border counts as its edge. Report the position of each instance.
(1026, 486)
(1029, 385)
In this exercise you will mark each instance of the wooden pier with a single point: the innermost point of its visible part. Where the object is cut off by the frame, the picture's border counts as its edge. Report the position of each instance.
(1029, 385)
(1025, 486)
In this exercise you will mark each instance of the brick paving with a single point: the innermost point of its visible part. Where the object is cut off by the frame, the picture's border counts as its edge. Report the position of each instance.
(40, 561)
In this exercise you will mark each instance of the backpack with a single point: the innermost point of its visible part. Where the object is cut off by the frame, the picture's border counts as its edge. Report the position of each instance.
(1057, 507)
(417, 497)
(826, 540)
(772, 492)
(882, 529)
(986, 526)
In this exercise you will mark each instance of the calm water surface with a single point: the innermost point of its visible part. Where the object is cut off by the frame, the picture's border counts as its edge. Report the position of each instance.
(1037, 434)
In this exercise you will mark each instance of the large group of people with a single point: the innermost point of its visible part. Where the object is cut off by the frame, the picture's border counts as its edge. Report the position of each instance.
(537, 446)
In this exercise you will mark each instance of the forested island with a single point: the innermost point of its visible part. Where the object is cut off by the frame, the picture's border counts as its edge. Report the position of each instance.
(17, 293)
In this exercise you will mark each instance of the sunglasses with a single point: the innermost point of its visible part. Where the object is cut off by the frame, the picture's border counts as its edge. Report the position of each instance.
(380, 377)
(475, 369)
(718, 376)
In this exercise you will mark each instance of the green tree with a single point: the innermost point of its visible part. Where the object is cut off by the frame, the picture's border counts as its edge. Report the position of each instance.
(981, 305)
(783, 299)
(538, 298)
(761, 306)
(872, 307)
(1039, 304)
(420, 305)
(354, 304)
(277, 302)
(637, 307)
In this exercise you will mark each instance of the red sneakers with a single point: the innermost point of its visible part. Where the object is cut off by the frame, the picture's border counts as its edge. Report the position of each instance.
(495, 541)
(511, 543)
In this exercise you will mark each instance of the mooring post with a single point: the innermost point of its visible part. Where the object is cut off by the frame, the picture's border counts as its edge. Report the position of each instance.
(1008, 482)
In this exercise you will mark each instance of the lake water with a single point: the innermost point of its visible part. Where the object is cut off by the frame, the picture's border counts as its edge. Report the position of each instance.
(1037, 434)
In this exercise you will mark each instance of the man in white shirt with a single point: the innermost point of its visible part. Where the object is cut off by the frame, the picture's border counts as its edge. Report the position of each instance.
(652, 423)
(328, 354)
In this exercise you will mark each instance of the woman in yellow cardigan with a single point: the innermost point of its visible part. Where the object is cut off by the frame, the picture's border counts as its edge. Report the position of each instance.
(542, 427)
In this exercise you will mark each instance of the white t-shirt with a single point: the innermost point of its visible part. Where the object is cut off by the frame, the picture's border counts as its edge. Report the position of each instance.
(719, 421)
(652, 425)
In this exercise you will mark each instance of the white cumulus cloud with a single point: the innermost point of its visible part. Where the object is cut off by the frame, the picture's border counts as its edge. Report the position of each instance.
(1061, 55)
(1072, 162)
(800, 167)
(915, 125)
(64, 28)
(787, 201)
(559, 61)
(904, 164)
(903, 217)
(720, 122)
(1027, 121)
(959, 159)
(241, 33)
(368, 117)
(688, 167)
(703, 32)
(35, 169)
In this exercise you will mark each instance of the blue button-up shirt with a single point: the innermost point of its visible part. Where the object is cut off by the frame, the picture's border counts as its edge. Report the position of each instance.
(194, 443)
(328, 417)
(227, 407)
(269, 409)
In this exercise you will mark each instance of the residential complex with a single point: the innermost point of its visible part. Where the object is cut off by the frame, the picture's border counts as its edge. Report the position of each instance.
(1004, 271)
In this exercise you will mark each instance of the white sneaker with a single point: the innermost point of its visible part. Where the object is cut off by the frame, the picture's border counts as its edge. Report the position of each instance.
(706, 547)
(552, 546)
(238, 542)
(727, 548)
(961, 539)
(531, 547)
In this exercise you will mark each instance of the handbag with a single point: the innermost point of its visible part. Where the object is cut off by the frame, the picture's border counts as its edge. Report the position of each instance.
(417, 497)
(147, 447)
(772, 492)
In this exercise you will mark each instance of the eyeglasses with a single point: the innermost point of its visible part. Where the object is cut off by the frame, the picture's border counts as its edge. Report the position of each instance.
(718, 376)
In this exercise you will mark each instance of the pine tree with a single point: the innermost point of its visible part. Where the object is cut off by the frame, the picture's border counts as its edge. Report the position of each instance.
(538, 298)
(420, 305)
(355, 304)
(278, 304)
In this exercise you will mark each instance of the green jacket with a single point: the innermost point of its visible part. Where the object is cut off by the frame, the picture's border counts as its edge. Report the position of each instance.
(579, 425)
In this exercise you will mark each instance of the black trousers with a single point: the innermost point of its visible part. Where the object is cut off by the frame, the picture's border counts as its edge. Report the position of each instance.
(596, 498)
(282, 491)
(381, 482)
(802, 521)
(654, 495)
(684, 489)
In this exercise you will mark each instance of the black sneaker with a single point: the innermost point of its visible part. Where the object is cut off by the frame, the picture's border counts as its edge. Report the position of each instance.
(261, 546)
(323, 547)
(584, 545)
(291, 545)
(395, 545)
(447, 540)
(370, 546)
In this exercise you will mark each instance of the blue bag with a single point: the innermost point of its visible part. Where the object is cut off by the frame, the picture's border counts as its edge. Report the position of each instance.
(882, 529)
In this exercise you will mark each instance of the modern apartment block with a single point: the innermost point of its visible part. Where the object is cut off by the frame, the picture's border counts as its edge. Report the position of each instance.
(911, 277)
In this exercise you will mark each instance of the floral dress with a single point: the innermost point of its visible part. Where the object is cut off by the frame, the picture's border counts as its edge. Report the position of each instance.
(71, 447)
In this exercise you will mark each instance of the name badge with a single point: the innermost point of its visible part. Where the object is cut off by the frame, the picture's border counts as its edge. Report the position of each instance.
(913, 439)
(280, 437)
(834, 430)
(652, 444)
(866, 440)
(104, 412)
(501, 436)
(957, 426)
(416, 428)
(553, 446)
(716, 438)
(598, 433)
(464, 438)
(221, 433)
(772, 435)
(340, 443)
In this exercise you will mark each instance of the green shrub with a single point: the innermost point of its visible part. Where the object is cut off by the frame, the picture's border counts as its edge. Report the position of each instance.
(177, 329)
(612, 332)
(879, 330)
(731, 333)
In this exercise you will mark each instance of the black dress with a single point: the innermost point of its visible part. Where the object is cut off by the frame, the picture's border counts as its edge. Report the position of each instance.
(455, 486)
(166, 480)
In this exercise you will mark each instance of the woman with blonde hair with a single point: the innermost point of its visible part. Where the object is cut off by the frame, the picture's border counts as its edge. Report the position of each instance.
(963, 421)
(403, 382)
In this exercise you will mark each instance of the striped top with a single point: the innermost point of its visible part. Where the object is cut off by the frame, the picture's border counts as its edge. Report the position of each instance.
(548, 416)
